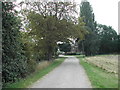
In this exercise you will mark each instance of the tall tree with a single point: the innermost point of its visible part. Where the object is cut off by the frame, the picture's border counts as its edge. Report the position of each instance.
(108, 39)
(13, 60)
(51, 22)
(48, 32)
(91, 40)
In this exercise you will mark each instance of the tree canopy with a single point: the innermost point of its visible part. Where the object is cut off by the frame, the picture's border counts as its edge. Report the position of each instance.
(52, 25)
(90, 42)
(108, 39)
(101, 39)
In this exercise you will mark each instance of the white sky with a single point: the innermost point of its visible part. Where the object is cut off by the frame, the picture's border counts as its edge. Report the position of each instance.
(106, 11)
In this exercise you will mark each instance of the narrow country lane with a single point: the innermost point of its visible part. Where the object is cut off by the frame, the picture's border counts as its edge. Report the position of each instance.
(70, 74)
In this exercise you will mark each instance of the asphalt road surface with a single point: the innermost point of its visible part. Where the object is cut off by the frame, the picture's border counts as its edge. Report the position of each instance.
(70, 74)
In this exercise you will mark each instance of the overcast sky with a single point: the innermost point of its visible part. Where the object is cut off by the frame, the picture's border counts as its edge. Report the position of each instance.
(106, 12)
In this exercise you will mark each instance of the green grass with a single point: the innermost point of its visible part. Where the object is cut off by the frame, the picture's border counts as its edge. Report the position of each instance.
(35, 76)
(99, 78)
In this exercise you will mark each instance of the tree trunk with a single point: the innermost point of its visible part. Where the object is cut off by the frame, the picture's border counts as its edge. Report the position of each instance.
(49, 53)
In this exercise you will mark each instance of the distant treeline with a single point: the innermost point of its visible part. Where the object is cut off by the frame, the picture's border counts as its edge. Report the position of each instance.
(101, 39)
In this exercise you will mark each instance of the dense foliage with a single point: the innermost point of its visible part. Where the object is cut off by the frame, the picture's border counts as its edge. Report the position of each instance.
(51, 25)
(13, 60)
(47, 33)
(101, 39)
(108, 39)
(32, 35)
(90, 42)
(65, 47)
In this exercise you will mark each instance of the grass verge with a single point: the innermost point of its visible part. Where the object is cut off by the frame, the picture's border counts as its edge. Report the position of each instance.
(24, 83)
(99, 78)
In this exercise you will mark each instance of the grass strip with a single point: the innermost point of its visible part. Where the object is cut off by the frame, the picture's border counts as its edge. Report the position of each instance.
(24, 83)
(99, 78)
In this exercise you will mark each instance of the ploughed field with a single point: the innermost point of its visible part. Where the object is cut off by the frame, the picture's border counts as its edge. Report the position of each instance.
(108, 63)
